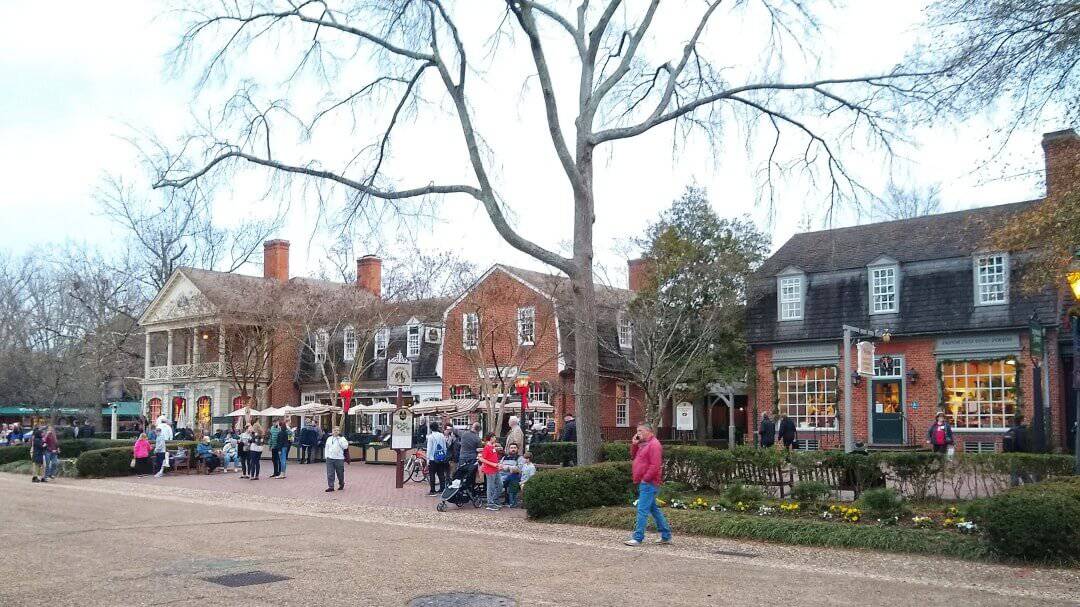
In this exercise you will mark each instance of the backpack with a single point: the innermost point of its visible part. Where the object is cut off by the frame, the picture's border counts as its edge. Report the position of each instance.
(440, 453)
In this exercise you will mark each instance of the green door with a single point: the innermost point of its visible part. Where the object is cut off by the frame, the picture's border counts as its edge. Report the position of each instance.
(887, 412)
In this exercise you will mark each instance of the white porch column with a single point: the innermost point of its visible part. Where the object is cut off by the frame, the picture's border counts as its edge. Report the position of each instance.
(146, 357)
(221, 349)
(168, 353)
(195, 345)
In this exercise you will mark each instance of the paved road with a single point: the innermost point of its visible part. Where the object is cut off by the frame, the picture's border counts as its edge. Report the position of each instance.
(77, 542)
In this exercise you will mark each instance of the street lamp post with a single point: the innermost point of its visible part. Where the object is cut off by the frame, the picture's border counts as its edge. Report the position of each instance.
(1074, 320)
(849, 426)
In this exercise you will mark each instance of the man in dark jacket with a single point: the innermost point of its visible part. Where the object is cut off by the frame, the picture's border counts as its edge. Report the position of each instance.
(1015, 440)
(569, 431)
(767, 432)
(787, 431)
(308, 439)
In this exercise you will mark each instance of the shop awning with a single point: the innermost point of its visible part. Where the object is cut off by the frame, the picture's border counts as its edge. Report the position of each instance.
(21, 410)
(513, 407)
(453, 405)
(123, 409)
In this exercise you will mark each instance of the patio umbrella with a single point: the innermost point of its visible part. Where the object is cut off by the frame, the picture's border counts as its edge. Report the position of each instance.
(382, 407)
(268, 412)
(244, 412)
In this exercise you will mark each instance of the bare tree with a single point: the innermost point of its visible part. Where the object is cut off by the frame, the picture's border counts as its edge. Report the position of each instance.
(426, 62)
(901, 202)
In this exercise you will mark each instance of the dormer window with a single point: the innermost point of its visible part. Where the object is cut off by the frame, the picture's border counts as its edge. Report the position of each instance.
(991, 279)
(884, 290)
(322, 341)
(626, 331)
(412, 345)
(790, 291)
(349, 344)
(381, 342)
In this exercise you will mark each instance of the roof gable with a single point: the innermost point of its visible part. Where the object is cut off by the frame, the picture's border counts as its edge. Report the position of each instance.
(180, 298)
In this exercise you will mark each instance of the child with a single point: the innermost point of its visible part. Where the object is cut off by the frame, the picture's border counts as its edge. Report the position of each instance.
(528, 468)
(489, 465)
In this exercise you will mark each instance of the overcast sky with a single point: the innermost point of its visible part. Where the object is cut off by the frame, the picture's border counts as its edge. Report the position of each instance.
(75, 91)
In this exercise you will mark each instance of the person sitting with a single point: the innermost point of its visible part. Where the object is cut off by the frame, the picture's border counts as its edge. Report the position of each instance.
(230, 453)
(510, 471)
(206, 453)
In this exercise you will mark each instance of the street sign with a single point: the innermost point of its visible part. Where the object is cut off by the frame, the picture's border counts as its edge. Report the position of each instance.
(401, 430)
(398, 372)
(684, 416)
(1038, 340)
(914, 405)
(865, 360)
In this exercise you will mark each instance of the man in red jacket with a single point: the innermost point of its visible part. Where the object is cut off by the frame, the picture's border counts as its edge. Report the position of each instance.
(648, 473)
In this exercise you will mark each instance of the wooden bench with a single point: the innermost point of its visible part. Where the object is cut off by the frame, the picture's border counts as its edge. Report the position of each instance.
(175, 463)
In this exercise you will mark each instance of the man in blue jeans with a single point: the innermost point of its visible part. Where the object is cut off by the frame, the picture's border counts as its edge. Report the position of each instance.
(647, 470)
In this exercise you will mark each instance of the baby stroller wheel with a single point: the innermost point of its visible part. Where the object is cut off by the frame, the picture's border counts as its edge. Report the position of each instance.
(441, 506)
(460, 505)
(477, 501)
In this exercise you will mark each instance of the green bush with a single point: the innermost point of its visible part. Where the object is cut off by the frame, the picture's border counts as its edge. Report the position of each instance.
(747, 494)
(1038, 522)
(810, 492)
(616, 452)
(116, 461)
(882, 503)
(554, 453)
(553, 492)
(915, 471)
(68, 448)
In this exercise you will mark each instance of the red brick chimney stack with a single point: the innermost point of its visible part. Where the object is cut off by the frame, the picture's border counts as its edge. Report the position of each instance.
(369, 274)
(276, 259)
(1062, 153)
(638, 273)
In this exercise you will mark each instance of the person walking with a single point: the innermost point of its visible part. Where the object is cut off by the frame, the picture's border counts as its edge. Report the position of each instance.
(1015, 441)
(453, 445)
(489, 465)
(438, 455)
(647, 471)
(334, 454)
(469, 444)
(37, 456)
(284, 444)
(939, 434)
(308, 438)
(767, 431)
(52, 453)
(515, 436)
(161, 448)
(141, 452)
(786, 431)
(255, 451)
(569, 431)
(243, 444)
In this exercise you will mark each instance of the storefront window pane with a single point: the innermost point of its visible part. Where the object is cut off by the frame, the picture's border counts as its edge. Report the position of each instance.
(980, 394)
(808, 395)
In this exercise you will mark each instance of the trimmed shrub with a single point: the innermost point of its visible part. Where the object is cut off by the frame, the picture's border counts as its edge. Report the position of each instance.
(116, 461)
(882, 503)
(618, 452)
(810, 492)
(553, 492)
(915, 471)
(1037, 522)
(68, 448)
(747, 494)
(554, 453)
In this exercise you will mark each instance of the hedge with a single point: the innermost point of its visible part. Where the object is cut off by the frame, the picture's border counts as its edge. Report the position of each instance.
(116, 461)
(68, 448)
(1039, 522)
(553, 492)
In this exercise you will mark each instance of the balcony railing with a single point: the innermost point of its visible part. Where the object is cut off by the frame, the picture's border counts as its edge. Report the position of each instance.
(192, 371)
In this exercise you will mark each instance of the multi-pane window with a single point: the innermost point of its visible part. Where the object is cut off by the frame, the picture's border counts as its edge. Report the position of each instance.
(539, 392)
(322, 341)
(413, 341)
(791, 298)
(807, 395)
(991, 279)
(461, 421)
(622, 404)
(349, 344)
(883, 297)
(979, 393)
(381, 342)
(470, 331)
(626, 331)
(461, 391)
(540, 417)
(526, 326)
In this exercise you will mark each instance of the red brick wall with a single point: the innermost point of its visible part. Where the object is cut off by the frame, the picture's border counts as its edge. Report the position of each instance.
(276, 259)
(284, 363)
(918, 355)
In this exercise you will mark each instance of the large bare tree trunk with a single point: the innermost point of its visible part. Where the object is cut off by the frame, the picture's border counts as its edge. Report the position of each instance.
(586, 346)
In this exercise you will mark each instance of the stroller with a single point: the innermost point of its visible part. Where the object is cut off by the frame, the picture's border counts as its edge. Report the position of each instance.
(462, 489)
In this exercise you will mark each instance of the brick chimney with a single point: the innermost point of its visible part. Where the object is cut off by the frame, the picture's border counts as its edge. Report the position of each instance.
(638, 273)
(276, 259)
(1061, 150)
(369, 274)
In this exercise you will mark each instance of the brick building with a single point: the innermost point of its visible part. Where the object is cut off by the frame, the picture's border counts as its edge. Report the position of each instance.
(515, 322)
(961, 328)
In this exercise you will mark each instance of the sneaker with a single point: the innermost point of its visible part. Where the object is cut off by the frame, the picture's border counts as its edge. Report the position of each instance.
(492, 508)
(663, 542)
(35, 480)
(158, 475)
(432, 494)
(632, 543)
(329, 490)
(44, 480)
(341, 487)
(282, 476)
(244, 476)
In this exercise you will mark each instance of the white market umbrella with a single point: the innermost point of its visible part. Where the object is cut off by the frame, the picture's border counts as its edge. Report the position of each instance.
(290, 410)
(383, 407)
(243, 412)
(268, 412)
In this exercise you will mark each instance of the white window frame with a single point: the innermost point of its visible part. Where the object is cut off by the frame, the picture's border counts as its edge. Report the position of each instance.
(622, 405)
(413, 334)
(809, 395)
(381, 342)
(322, 343)
(977, 276)
(470, 330)
(348, 344)
(793, 299)
(526, 326)
(625, 328)
(994, 394)
(539, 391)
(882, 289)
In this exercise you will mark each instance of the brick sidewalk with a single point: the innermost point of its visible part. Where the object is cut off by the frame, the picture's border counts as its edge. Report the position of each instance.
(367, 484)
